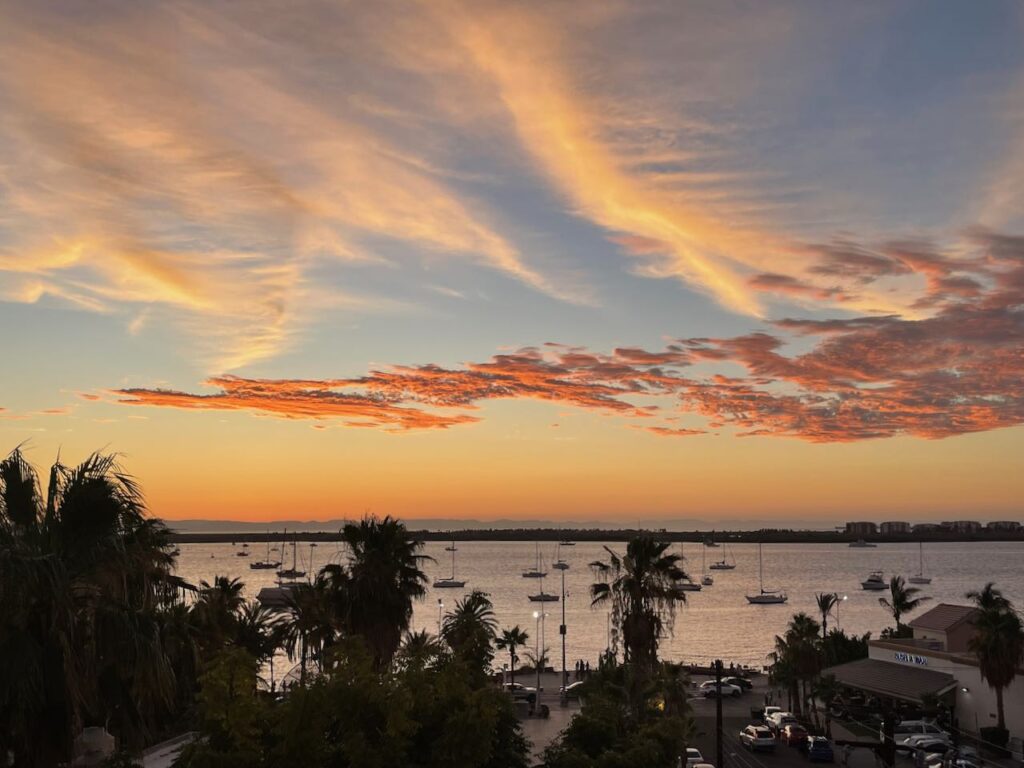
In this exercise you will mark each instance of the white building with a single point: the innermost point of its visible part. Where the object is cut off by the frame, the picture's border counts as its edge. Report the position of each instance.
(936, 661)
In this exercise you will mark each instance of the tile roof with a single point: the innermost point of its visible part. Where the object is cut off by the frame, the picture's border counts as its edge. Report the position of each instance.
(944, 617)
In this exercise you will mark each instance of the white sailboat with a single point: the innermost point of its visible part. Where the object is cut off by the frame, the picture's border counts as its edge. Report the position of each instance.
(535, 572)
(766, 596)
(705, 578)
(861, 544)
(451, 582)
(293, 572)
(724, 564)
(919, 577)
(689, 585)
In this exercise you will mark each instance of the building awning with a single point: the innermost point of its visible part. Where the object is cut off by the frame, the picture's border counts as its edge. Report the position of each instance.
(896, 681)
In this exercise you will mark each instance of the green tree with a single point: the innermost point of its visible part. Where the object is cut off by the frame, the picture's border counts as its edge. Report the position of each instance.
(83, 575)
(307, 627)
(419, 650)
(509, 640)
(796, 659)
(901, 600)
(216, 610)
(470, 628)
(372, 594)
(643, 588)
(998, 643)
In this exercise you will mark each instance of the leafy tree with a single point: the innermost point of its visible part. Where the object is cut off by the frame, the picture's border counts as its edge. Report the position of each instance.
(419, 650)
(216, 610)
(230, 715)
(643, 588)
(902, 599)
(83, 575)
(796, 658)
(372, 594)
(470, 628)
(509, 640)
(307, 626)
(998, 643)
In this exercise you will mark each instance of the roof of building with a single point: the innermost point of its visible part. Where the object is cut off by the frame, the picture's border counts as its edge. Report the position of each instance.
(944, 617)
(885, 678)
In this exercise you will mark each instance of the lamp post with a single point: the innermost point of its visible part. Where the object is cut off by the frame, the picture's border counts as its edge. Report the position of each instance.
(440, 608)
(839, 602)
(561, 629)
(536, 645)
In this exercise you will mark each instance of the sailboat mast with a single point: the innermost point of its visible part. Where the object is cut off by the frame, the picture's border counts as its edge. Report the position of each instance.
(760, 567)
(453, 559)
(920, 558)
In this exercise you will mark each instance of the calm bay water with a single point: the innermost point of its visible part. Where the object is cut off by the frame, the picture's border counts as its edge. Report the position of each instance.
(717, 622)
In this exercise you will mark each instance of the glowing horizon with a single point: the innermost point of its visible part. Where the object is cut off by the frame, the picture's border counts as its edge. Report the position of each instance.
(634, 260)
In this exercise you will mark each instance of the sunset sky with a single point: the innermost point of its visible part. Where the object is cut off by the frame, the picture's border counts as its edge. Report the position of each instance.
(562, 260)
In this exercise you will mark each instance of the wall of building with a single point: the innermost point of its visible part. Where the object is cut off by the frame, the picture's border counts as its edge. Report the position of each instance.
(975, 707)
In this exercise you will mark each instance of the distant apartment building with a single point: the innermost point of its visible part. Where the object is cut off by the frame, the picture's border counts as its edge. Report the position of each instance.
(861, 529)
(962, 526)
(1004, 525)
(927, 527)
(894, 527)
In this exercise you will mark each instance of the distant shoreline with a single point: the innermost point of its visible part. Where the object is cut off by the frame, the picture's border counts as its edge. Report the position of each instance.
(767, 536)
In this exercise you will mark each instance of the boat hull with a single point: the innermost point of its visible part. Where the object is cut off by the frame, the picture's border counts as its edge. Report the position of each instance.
(543, 597)
(690, 587)
(449, 584)
(920, 579)
(766, 599)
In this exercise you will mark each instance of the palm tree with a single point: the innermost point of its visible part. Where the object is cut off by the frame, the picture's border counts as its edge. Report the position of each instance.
(798, 653)
(998, 644)
(82, 575)
(372, 594)
(307, 627)
(469, 629)
(643, 588)
(509, 640)
(826, 602)
(217, 608)
(419, 650)
(901, 599)
(260, 631)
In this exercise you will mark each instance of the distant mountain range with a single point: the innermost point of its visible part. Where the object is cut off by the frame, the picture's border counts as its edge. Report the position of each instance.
(446, 524)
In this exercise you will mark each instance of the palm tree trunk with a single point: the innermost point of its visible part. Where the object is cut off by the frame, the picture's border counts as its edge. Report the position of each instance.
(512, 660)
(1000, 712)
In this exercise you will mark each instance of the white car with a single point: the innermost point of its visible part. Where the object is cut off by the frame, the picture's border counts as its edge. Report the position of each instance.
(768, 712)
(907, 728)
(755, 737)
(710, 688)
(916, 740)
(693, 758)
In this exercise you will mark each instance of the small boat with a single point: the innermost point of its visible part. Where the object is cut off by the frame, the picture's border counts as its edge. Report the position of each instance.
(450, 582)
(567, 543)
(245, 546)
(266, 564)
(708, 580)
(919, 577)
(724, 564)
(241, 553)
(543, 597)
(861, 544)
(293, 572)
(766, 596)
(535, 572)
(710, 543)
(875, 582)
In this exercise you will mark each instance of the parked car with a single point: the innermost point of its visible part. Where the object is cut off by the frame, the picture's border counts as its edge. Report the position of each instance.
(572, 690)
(910, 743)
(757, 737)
(965, 757)
(740, 682)
(693, 758)
(767, 714)
(818, 749)
(780, 720)
(520, 691)
(710, 689)
(793, 734)
(906, 728)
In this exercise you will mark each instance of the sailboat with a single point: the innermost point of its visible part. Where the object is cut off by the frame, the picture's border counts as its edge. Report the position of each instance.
(535, 572)
(293, 572)
(705, 577)
(451, 582)
(266, 564)
(919, 577)
(559, 564)
(766, 596)
(451, 548)
(724, 564)
(689, 585)
(542, 596)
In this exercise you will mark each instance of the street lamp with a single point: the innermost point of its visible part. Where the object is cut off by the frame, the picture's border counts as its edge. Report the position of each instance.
(440, 608)
(561, 630)
(536, 645)
(839, 602)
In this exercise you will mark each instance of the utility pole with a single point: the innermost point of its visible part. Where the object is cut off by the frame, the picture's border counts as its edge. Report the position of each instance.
(561, 630)
(718, 713)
